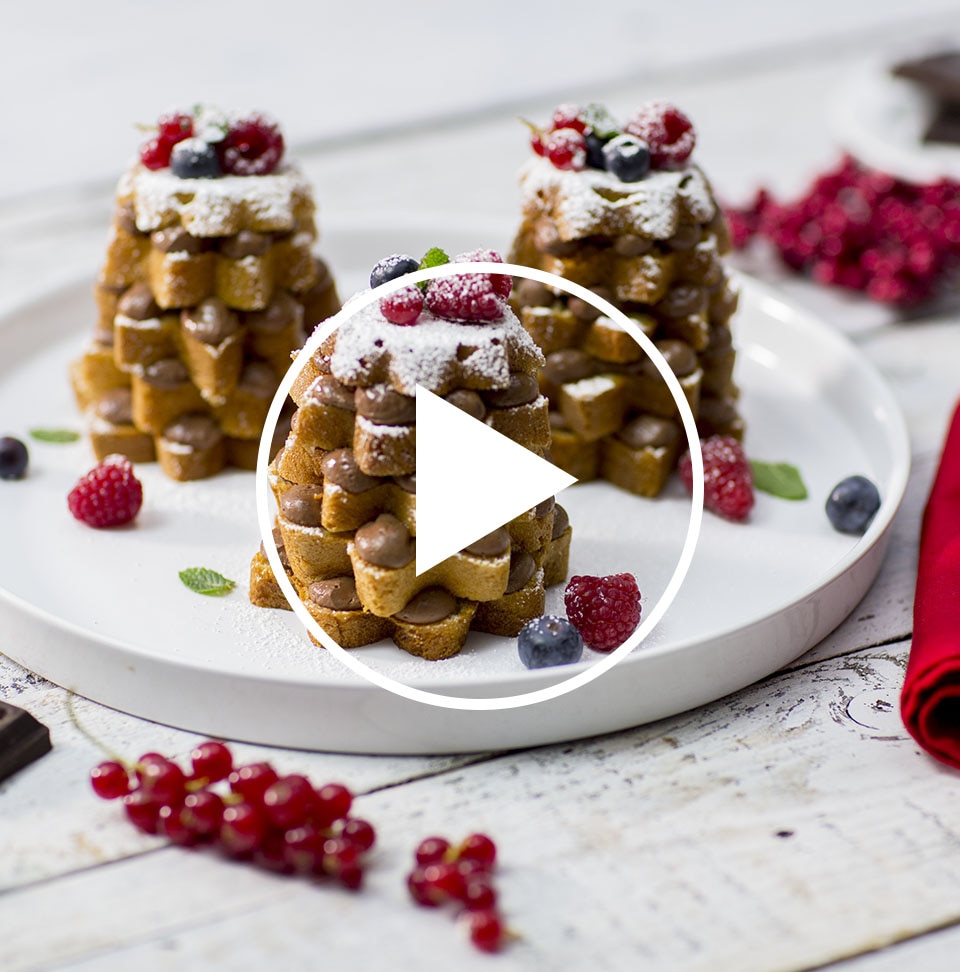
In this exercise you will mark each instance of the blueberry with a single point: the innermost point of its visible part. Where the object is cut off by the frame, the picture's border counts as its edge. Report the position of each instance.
(193, 158)
(13, 458)
(595, 159)
(391, 267)
(547, 641)
(627, 157)
(852, 504)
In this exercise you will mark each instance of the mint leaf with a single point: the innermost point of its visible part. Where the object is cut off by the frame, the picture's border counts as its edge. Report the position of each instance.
(779, 479)
(434, 257)
(54, 435)
(600, 121)
(202, 580)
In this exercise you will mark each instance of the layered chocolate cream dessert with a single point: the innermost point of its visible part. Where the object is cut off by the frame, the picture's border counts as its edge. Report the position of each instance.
(208, 286)
(345, 479)
(623, 211)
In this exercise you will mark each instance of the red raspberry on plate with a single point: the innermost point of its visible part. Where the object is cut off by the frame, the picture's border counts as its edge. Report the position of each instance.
(402, 306)
(727, 477)
(605, 610)
(668, 132)
(108, 495)
(252, 146)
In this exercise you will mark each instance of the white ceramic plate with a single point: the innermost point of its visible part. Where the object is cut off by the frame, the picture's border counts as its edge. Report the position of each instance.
(881, 119)
(104, 613)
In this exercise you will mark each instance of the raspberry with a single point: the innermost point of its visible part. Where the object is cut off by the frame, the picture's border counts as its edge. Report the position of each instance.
(566, 148)
(568, 116)
(252, 146)
(402, 306)
(668, 132)
(727, 477)
(172, 128)
(502, 283)
(605, 610)
(108, 495)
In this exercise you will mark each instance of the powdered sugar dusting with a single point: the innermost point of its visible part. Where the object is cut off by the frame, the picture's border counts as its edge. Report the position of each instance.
(438, 354)
(215, 207)
(593, 202)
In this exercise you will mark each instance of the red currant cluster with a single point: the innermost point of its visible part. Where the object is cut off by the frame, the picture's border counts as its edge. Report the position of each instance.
(474, 297)
(658, 136)
(282, 823)
(860, 228)
(461, 876)
(209, 144)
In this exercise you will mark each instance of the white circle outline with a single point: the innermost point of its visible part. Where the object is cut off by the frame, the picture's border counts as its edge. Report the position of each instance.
(322, 332)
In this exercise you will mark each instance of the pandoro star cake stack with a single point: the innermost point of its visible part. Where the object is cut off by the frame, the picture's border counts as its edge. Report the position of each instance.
(208, 284)
(623, 211)
(345, 479)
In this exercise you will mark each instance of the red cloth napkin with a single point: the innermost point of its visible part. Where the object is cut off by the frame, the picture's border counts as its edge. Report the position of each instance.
(930, 702)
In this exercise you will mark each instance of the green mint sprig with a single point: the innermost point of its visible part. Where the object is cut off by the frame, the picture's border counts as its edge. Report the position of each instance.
(780, 479)
(54, 435)
(202, 580)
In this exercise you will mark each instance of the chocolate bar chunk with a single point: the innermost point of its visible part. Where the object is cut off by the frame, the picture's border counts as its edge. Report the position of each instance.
(938, 75)
(22, 739)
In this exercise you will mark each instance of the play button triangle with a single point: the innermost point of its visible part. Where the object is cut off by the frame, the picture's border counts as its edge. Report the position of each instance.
(470, 479)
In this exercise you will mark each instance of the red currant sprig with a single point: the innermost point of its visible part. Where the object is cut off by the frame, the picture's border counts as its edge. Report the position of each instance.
(282, 823)
(461, 876)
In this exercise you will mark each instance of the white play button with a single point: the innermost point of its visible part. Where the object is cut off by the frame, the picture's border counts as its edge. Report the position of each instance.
(470, 479)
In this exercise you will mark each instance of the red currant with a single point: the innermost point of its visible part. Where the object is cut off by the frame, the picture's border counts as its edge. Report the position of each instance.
(479, 848)
(171, 824)
(480, 895)
(290, 801)
(252, 781)
(431, 850)
(303, 848)
(110, 780)
(360, 833)
(486, 930)
(202, 812)
(242, 829)
(162, 779)
(333, 802)
(212, 761)
(142, 810)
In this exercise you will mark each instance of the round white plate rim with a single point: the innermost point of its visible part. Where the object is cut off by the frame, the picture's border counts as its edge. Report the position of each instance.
(896, 433)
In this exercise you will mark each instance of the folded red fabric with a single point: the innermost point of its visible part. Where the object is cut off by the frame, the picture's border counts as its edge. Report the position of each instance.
(930, 701)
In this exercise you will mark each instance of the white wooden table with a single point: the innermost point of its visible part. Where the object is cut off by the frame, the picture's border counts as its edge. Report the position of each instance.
(791, 826)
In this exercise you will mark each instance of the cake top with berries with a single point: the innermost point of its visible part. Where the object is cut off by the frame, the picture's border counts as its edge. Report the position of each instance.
(452, 332)
(596, 177)
(215, 173)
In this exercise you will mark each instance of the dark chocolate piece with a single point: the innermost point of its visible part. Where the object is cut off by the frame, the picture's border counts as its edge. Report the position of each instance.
(22, 739)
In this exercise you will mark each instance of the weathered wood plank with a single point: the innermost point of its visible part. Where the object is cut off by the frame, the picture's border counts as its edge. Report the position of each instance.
(731, 837)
